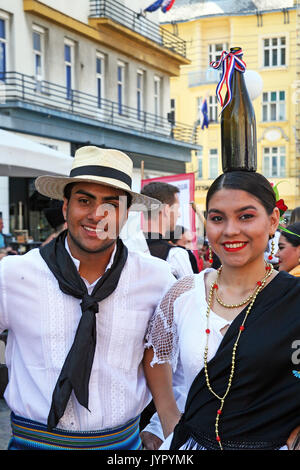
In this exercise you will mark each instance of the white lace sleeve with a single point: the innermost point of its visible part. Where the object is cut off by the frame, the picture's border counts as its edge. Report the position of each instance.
(162, 331)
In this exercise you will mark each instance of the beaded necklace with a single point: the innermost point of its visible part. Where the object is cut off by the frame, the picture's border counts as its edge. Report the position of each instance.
(213, 288)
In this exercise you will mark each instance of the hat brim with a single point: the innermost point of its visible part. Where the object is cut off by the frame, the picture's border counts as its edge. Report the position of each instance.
(53, 187)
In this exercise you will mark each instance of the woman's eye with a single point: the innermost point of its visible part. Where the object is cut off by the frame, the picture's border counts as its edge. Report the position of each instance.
(247, 216)
(216, 218)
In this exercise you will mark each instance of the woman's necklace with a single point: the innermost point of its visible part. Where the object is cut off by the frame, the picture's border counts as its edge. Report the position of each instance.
(243, 302)
(213, 288)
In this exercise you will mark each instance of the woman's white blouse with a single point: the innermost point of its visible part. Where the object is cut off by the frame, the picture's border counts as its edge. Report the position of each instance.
(182, 316)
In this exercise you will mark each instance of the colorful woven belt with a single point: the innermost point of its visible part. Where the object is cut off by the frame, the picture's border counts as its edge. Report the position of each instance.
(32, 435)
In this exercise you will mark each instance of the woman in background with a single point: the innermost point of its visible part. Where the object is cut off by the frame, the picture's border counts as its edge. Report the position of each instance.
(289, 250)
(295, 215)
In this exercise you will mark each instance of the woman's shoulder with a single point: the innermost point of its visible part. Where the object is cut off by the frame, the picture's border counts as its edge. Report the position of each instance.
(186, 285)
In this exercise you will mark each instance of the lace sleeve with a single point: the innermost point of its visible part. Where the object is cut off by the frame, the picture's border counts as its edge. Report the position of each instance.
(162, 332)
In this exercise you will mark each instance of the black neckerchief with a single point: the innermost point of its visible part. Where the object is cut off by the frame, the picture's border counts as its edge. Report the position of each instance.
(76, 370)
(263, 405)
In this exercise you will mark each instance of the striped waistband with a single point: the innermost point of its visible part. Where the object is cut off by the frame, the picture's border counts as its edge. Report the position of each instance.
(30, 435)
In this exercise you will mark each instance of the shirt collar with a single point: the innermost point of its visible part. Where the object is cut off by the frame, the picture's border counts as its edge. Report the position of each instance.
(77, 262)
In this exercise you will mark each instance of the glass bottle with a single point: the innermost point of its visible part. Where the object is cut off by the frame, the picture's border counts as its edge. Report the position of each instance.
(238, 128)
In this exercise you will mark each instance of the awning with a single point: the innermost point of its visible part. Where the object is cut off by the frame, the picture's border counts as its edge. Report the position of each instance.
(22, 157)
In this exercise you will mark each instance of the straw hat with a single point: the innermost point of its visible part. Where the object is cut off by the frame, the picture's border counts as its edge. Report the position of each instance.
(96, 165)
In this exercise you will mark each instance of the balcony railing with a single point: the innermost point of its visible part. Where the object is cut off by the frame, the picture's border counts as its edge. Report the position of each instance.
(18, 87)
(138, 23)
(202, 77)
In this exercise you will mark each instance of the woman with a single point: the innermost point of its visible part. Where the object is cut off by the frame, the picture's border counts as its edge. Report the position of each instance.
(289, 250)
(295, 215)
(231, 331)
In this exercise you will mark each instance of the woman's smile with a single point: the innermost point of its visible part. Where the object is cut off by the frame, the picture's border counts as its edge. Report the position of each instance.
(232, 247)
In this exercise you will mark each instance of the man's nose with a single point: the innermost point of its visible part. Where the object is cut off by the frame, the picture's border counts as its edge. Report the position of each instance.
(97, 212)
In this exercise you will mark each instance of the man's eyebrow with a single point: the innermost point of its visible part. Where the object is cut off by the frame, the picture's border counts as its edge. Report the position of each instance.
(111, 198)
(92, 196)
(85, 193)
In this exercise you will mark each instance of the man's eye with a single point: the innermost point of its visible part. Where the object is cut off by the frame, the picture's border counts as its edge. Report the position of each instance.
(83, 201)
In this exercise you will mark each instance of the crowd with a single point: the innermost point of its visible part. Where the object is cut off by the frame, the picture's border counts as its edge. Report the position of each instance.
(153, 342)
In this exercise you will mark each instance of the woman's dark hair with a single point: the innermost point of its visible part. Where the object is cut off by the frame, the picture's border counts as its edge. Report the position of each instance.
(249, 181)
(295, 215)
(68, 190)
(292, 239)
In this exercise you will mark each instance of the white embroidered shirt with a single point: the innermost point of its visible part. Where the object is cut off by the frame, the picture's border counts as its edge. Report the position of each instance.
(42, 322)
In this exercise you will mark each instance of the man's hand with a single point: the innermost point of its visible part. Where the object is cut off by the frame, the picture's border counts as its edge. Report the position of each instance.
(150, 441)
(293, 441)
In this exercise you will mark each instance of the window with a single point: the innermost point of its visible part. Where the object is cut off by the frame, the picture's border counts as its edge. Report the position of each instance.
(3, 48)
(140, 93)
(273, 106)
(121, 86)
(157, 98)
(171, 115)
(213, 163)
(213, 108)
(274, 162)
(198, 105)
(69, 67)
(199, 155)
(274, 52)
(38, 52)
(215, 51)
(100, 79)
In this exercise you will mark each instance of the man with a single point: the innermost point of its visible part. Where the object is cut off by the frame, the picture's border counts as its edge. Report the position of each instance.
(55, 219)
(184, 238)
(77, 311)
(158, 226)
(4, 238)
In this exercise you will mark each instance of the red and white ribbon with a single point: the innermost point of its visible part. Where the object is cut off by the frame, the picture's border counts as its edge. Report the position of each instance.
(229, 61)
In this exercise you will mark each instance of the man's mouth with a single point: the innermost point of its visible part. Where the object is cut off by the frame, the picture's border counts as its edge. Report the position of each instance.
(94, 231)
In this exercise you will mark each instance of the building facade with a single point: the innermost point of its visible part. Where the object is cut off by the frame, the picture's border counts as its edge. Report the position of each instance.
(268, 37)
(89, 72)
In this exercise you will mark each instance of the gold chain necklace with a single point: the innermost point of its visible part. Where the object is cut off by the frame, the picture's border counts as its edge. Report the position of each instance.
(243, 302)
(214, 287)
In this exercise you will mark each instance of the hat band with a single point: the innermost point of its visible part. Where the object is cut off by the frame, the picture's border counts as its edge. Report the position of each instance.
(104, 171)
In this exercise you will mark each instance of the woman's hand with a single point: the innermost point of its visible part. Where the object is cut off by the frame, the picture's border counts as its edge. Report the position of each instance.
(150, 441)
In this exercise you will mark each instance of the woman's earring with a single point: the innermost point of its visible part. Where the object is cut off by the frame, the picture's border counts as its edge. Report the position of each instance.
(272, 249)
(210, 255)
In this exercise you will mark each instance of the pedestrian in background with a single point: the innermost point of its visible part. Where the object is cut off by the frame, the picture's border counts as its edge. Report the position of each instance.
(289, 250)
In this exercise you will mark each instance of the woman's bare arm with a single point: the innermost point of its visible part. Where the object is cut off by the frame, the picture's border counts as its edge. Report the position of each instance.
(159, 379)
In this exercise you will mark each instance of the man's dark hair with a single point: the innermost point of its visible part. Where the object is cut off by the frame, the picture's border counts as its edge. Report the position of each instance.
(54, 214)
(177, 234)
(68, 190)
(164, 192)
